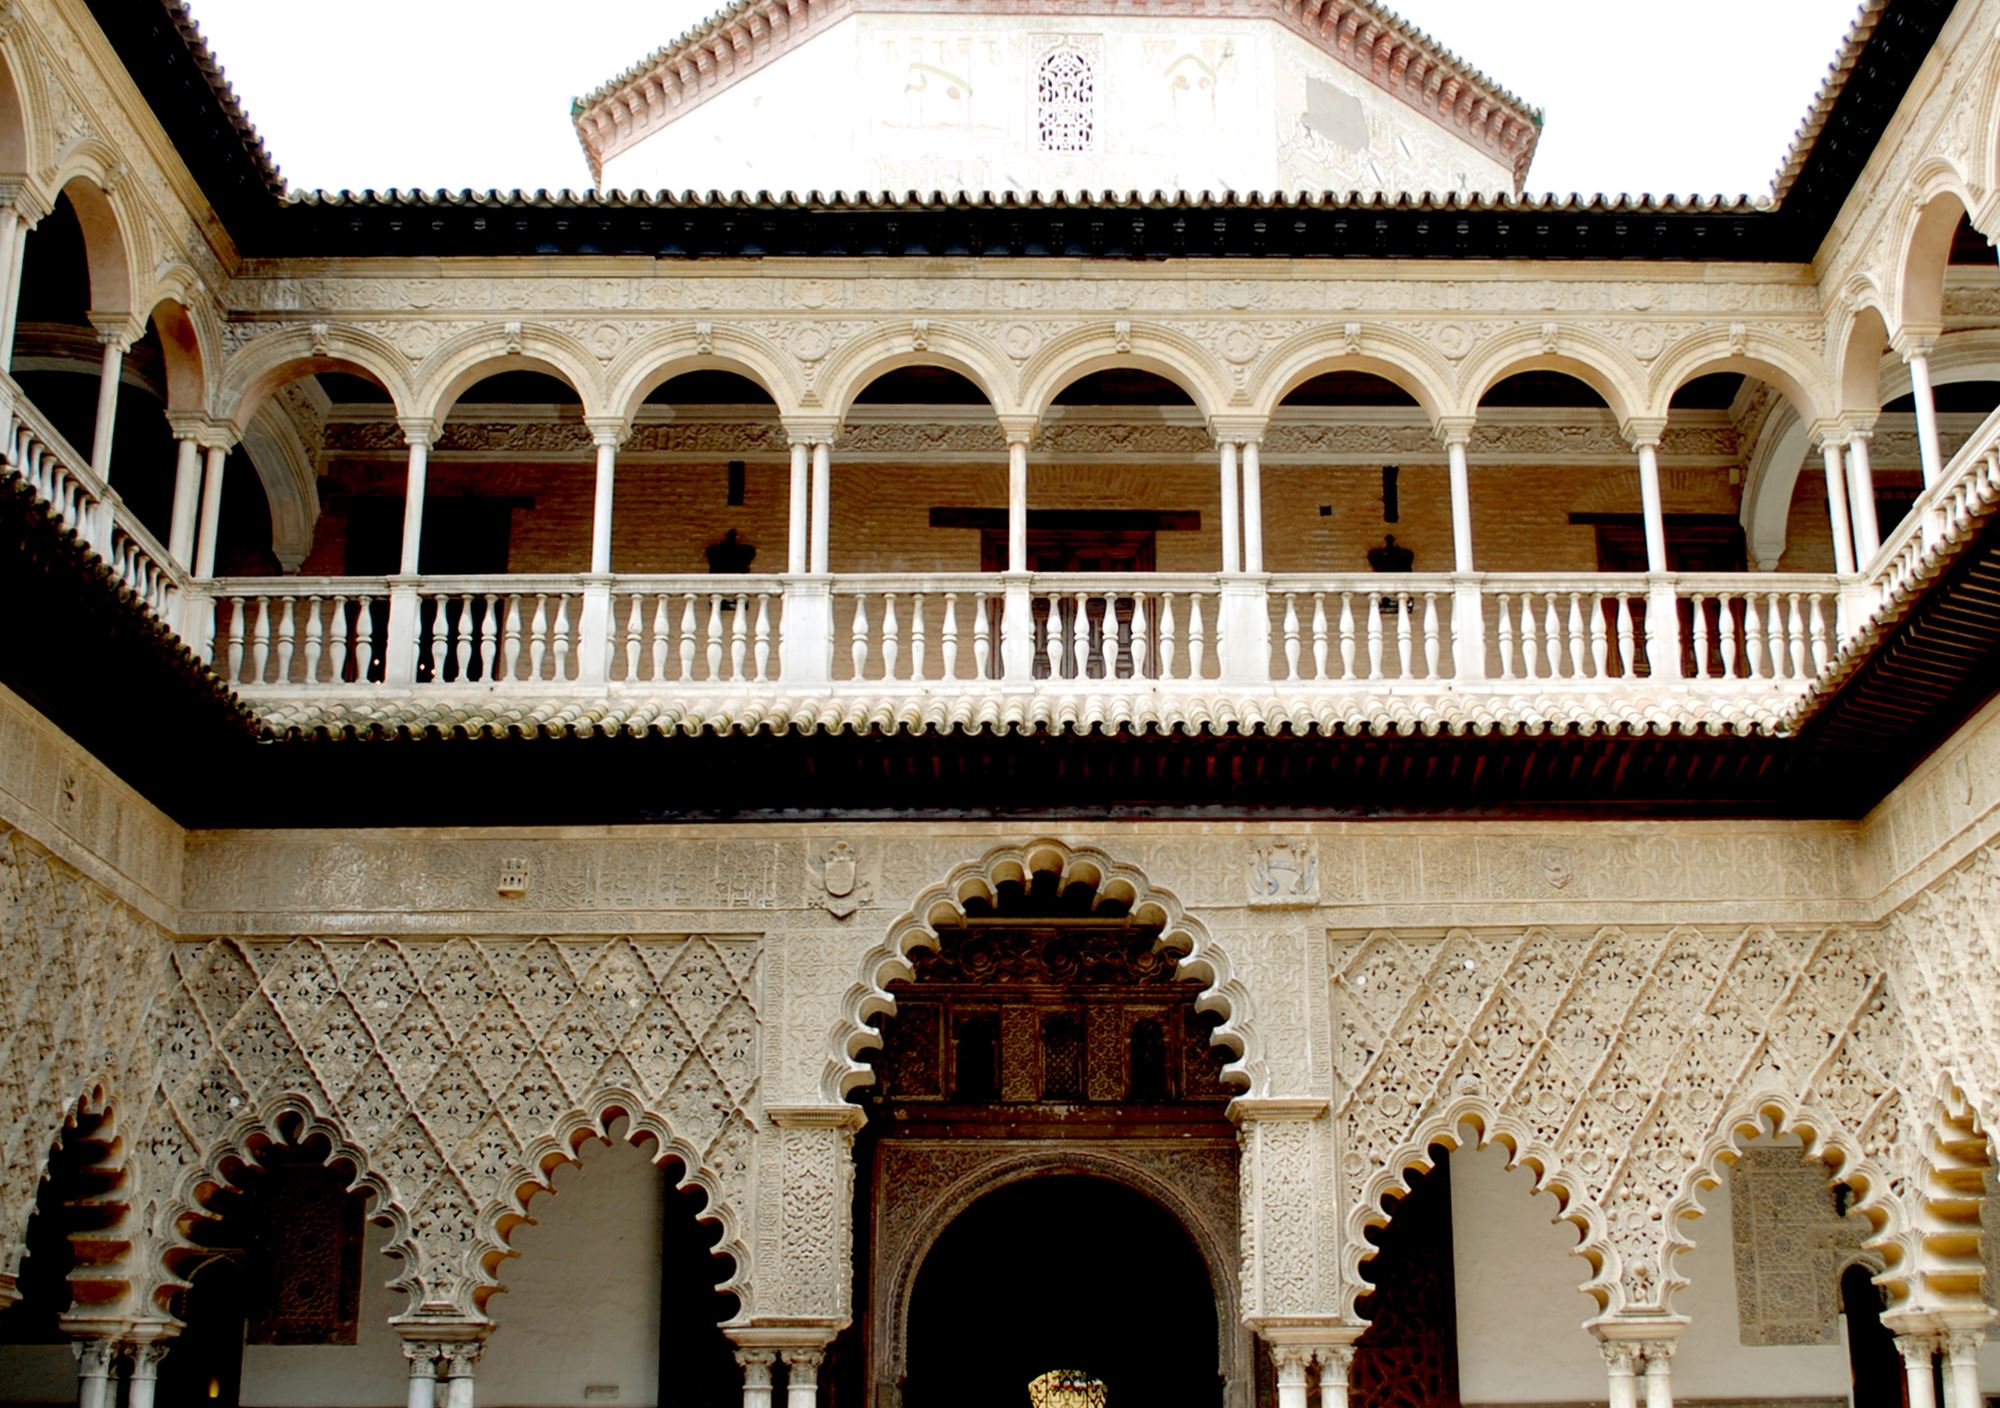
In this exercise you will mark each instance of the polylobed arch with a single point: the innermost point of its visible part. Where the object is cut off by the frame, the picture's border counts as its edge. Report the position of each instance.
(1821, 1138)
(545, 1152)
(955, 1198)
(1955, 1154)
(290, 1121)
(1921, 265)
(97, 1261)
(1389, 1184)
(1111, 880)
(1395, 359)
(1163, 352)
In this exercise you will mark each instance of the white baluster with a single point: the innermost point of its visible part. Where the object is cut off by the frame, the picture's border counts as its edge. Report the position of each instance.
(1753, 639)
(858, 647)
(1375, 601)
(340, 643)
(635, 607)
(510, 652)
(1579, 643)
(1700, 636)
(763, 650)
(1504, 632)
(1291, 636)
(919, 665)
(1628, 665)
(891, 641)
(286, 629)
(1821, 646)
(1169, 647)
(1433, 640)
(260, 643)
(1796, 629)
(1141, 639)
(315, 640)
(1552, 640)
(364, 641)
(689, 631)
(538, 630)
(1774, 634)
(712, 640)
(1531, 639)
(1347, 635)
(440, 633)
(239, 610)
(1725, 630)
(1319, 635)
(1197, 639)
(1406, 606)
(948, 636)
(489, 639)
(561, 641)
(739, 637)
(1079, 632)
(982, 643)
(660, 640)
(466, 627)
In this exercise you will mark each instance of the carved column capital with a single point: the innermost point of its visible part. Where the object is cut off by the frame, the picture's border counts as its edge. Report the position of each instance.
(803, 1365)
(1913, 342)
(1238, 430)
(1336, 1361)
(418, 430)
(1642, 432)
(1019, 430)
(607, 430)
(756, 1366)
(1620, 1356)
(811, 430)
(1454, 430)
(1917, 1349)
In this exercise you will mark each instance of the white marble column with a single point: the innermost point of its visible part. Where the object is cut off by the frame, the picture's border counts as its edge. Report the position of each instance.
(1336, 1362)
(1961, 1353)
(607, 437)
(822, 505)
(799, 508)
(94, 1359)
(423, 1357)
(187, 495)
(1836, 503)
(145, 1357)
(1253, 505)
(1457, 437)
(756, 1365)
(1659, 1381)
(416, 435)
(19, 213)
(802, 1377)
(1650, 503)
(1861, 498)
(1620, 1359)
(109, 369)
(1917, 1351)
(1017, 500)
(1916, 350)
(460, 1357)
(217, 456)
(1232, 560)
(10, 309)
(1291, 1363)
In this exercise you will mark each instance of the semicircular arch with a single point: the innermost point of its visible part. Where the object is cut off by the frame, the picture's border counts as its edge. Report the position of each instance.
(1165, 352)
(465, 361)
(852, 368)
(1396, 358)
(1592, 360)
(654, 361)
(1800, 379)
(111, 252)
(1202, 958)
(1924, 251)
(277, 358)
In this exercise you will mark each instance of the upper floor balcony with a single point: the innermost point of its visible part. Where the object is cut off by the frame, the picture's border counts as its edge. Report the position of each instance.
(1112, 566)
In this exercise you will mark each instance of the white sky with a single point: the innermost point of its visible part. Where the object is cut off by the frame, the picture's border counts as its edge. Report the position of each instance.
(1692, 97)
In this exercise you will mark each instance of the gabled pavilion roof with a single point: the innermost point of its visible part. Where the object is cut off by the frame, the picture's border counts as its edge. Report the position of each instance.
(1365, 35)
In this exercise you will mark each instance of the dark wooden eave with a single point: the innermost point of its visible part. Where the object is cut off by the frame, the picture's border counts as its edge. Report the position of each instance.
(182, 83)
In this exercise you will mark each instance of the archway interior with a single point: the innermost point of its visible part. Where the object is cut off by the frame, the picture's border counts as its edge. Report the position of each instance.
(1047, 1045)
(1408, 1357)
(73, 1204)
(1062, 1272)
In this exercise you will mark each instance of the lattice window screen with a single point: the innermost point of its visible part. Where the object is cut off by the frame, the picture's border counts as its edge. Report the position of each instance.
(1066, 102)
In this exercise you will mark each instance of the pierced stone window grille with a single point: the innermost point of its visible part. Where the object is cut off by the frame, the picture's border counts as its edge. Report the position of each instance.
(1062, 1058)
(1066, 102)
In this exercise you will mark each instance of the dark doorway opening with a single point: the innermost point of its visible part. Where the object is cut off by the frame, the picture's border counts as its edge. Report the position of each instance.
(1063, 1271)
(1872, 1356)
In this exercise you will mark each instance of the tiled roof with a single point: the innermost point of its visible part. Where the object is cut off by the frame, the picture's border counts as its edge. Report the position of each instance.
(1837, 75)
(1211, 712)
(225, 96)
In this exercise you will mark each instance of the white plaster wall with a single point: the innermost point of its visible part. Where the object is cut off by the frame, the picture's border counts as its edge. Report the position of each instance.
(370, 1373)
(583, 1297)
(947, 102)
(1520, 1335)
(1520, 1314)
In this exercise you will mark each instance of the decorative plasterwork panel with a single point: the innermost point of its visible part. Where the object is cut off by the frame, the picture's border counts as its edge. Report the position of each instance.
(1619, 1062)
(1790, 1247)
(458, 1066)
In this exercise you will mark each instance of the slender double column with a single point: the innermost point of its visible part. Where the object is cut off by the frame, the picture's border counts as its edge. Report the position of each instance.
(805, 638)
(1830, 438)
(187, 488)
(442, 1360)
(1468, 611)
(1663, 622)
(1919, 1351)
(17, 218)
(1638, 1358)
(400, 650)
(142, 1362)
(756, 1365)
(607, 433)
(1914, 346)
(1244, 615)
(96, 1356)
(1861, 492)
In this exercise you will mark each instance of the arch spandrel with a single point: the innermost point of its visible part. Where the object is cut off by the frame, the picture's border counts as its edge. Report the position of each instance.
(945, 902)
